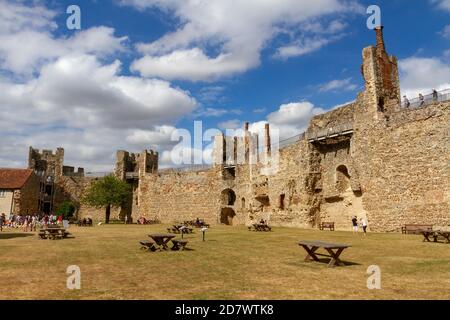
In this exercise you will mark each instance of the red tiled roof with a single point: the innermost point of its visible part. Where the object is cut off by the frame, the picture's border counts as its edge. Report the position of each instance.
(14, 178)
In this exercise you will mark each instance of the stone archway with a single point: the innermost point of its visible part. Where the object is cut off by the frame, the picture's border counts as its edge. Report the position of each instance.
(226, 216)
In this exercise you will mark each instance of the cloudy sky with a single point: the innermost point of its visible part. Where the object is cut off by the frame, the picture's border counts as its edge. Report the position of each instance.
(139, 69)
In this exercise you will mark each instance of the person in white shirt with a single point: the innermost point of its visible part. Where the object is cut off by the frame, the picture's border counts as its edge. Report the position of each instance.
(364, 225)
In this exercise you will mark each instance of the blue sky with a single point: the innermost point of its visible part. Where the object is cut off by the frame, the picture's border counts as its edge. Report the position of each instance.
(139, 69)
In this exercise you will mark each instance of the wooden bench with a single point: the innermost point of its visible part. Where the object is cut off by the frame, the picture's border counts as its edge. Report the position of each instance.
(147, 245)
(179, 245)
(326, 225)
(416, 228)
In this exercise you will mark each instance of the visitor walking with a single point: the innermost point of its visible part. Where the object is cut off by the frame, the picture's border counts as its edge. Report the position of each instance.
(126, 219)
(421, 99)
(355, 224)
(435, 95)
(406, 102)
(364, 225)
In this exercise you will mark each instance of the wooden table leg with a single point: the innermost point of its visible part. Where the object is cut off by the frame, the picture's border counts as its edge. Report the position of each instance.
(335, 261)
(311, 253)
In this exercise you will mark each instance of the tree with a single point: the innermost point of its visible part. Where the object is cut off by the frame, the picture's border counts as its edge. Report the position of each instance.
(107, 192)
(67, 209)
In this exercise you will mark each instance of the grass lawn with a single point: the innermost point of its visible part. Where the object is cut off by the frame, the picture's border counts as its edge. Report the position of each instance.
(232, 264)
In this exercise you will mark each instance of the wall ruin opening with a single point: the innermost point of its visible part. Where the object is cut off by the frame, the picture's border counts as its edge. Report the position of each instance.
(282, 199)
(228, 197)
(229, 173)
(226, 216)
(342, 179)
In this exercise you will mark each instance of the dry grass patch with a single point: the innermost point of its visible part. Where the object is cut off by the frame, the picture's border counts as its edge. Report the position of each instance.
(232, 264)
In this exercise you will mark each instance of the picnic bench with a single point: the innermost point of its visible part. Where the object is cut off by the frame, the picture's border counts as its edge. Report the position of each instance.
(326, 225)
(259, 227)
(161, 244)
(436, 236)
(179, 245)
(148, 245)
(416, 228)
(177, 229)
(53, 233)
(334, 250)
(161, 240)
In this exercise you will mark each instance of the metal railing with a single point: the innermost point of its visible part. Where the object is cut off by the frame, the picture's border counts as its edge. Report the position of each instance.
(330, 132)
(289, 141)
(428, 99)
(187, 168)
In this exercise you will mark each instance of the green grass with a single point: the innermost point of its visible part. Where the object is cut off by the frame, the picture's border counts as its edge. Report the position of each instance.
(232, 264)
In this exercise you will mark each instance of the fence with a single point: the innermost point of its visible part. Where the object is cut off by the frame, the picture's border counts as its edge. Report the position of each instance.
(416, 103)
(187, 168)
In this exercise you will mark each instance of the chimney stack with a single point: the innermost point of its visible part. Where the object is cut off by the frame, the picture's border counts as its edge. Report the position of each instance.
(267, 140)
(380, 39)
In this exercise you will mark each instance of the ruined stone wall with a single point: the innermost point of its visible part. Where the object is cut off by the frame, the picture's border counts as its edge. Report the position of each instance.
(289, 199)
(173, 197)
(72, 189)
(404, 168)
(333, 118)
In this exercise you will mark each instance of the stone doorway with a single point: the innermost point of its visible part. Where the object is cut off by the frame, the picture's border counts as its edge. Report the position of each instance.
(345, 204)
(226, 216)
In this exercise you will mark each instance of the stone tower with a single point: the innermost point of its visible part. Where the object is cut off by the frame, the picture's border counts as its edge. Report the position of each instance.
(380, 72)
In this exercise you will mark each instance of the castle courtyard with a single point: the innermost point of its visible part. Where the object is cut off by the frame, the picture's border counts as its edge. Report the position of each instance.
(233, 263)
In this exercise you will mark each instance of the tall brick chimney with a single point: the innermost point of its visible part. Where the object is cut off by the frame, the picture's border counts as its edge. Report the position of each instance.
(380, 39)
(267, 140)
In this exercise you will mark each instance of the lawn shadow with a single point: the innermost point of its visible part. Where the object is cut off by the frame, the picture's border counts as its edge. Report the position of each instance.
(343, 263)
(5, 236)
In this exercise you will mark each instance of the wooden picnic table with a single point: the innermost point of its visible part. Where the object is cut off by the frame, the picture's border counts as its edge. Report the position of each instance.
(53, 233)
(436, 235)
(161, 239)
(260, 227)
(334, 250)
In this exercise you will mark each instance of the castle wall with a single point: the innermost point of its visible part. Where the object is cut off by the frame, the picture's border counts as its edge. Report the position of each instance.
(404, 168)
(173, 197)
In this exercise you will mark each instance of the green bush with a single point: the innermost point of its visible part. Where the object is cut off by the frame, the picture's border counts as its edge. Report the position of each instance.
(67, 209)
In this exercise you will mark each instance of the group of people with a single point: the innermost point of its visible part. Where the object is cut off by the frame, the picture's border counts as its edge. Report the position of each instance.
(29, 222)
(407, 103)
(362, 223)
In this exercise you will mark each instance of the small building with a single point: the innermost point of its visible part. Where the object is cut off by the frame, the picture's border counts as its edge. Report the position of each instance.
(19, 191)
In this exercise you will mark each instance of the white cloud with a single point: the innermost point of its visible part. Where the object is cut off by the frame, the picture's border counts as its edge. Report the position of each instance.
(421, 75)
(446, 31)
(230, 124)
(338, 84)
(216, 112)
(293, 118)
(239, 30)
(67, 91)
(25, 51)
(443, 4)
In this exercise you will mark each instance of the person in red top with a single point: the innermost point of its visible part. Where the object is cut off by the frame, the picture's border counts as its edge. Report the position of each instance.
(60, 219)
